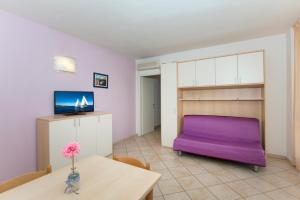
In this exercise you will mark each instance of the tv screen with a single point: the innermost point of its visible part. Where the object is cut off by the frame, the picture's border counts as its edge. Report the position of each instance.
(67, 102)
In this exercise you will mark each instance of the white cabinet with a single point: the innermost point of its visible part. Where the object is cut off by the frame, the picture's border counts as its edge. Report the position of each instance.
(186, 74)
(251, 68)
(168, 104)
(205, 72)
(86, 135)
(226, 70)
(62, 132)
(104, 136)
(93, 131)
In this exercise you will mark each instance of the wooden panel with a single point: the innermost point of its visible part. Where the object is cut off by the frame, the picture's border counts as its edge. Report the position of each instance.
(251, 68)
(224, 94)
(226, 70)
(101, 178)
(230, 108)
(186, 74)
(297, 96)
(43, 158)
(205, 73)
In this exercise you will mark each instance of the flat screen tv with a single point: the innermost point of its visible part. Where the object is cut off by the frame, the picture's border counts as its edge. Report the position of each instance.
(71, 102)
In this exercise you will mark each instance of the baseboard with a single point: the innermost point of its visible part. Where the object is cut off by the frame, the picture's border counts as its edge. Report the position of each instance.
(277, 156)
(281, 157)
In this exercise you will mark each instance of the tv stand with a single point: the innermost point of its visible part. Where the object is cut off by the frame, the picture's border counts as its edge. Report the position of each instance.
(93, 130)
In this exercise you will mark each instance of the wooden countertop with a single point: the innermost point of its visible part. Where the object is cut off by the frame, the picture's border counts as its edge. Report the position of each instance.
(101, 178)
(60, 117)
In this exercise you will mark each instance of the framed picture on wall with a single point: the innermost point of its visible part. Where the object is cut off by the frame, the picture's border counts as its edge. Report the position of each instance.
(100, 80)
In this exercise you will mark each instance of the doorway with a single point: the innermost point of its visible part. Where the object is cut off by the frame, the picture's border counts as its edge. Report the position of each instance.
(150, 103)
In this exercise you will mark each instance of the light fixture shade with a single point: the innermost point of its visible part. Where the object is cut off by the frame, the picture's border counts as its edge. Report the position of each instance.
(65, 64)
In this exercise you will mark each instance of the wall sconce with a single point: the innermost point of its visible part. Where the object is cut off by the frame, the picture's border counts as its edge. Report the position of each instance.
(65, 64)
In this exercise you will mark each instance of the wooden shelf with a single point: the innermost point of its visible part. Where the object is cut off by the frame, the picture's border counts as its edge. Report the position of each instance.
(256, 85)
(221, 99)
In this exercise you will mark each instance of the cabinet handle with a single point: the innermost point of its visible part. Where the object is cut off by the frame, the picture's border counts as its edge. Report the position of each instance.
(74, 122)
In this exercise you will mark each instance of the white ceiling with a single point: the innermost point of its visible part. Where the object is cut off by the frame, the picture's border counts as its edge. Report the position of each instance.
(144, 28)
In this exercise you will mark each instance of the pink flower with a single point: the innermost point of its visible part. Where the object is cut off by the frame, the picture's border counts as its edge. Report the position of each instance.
(71, 150)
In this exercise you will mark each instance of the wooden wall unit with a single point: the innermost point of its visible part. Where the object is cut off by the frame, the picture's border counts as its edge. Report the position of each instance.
(235, 95)
(296, 122)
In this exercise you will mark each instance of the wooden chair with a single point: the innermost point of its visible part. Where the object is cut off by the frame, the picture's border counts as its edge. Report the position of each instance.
(10, 184)
(136, 163)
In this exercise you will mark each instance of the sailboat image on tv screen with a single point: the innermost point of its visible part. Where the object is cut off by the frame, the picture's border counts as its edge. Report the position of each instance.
(84, 103)
(80, 106)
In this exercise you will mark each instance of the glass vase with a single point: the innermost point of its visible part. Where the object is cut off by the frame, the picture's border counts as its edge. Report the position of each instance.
(73, 182)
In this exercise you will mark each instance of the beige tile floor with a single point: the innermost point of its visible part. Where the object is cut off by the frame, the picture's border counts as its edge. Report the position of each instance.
(192, 177)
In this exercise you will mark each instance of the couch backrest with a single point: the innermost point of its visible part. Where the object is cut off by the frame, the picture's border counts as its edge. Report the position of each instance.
(222, 128)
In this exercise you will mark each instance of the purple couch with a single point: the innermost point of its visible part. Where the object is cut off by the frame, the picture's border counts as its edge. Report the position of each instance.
(230, 138)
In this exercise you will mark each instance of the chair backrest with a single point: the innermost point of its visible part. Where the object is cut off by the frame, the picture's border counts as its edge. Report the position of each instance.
(222, 127)
(136, 163)
(23, 179)
(132, 161)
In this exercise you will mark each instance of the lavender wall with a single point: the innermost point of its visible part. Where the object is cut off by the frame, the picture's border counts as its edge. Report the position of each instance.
(27, 82)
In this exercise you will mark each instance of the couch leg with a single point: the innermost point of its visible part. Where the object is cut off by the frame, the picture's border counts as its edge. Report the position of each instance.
(179, 153)
(255, 168)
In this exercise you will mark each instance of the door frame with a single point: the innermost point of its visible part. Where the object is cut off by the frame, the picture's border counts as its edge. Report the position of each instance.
(139, 74)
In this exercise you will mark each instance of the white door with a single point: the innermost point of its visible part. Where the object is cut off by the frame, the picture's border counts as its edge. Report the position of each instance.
(104, 135)
(226, 70)
(87, 136)
(251, 68)
(186, 74)
(168, 104)
(147, 95)
(205, 72)
(62, 132)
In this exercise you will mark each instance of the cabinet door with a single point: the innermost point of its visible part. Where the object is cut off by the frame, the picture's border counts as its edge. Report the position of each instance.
(205, 72)
(60, 133)
(186, 74)
(168, 104)
(251, 68)
(226, 70)
(87, 136)
(104, 135)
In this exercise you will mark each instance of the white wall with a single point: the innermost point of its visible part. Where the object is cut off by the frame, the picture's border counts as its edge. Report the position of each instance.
(290, 96)
(276, 81)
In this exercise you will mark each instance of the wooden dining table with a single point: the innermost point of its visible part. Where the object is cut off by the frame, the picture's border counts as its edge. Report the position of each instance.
(100, 179)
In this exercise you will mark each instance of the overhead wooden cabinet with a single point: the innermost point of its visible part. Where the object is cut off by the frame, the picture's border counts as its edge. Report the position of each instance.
(93, 131)
(251, 68)
(226, 70)
(205, 72)
(186, 74)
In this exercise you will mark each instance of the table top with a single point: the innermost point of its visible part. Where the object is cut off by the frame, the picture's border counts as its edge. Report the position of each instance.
(101, 178)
